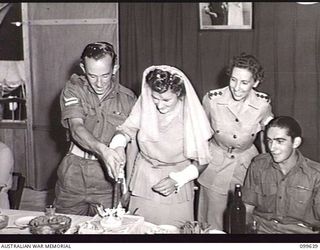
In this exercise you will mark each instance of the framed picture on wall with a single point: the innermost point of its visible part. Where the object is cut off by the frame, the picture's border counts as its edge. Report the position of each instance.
(225, 15)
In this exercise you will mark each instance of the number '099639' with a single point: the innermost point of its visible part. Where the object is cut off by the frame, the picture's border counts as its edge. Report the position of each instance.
(309, 245)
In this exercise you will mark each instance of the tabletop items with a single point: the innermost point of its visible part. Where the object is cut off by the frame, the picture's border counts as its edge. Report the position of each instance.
(106, 221)
(56, 224)
(3, 221)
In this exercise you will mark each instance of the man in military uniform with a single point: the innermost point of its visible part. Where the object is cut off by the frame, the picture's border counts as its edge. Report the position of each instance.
(92, 106)
(282, 188)
(237, 113)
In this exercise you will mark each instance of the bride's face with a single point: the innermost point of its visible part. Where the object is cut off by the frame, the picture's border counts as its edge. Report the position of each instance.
(165, 102)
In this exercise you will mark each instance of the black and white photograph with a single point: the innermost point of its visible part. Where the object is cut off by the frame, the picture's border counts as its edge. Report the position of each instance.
(125, 122)
(225, 15)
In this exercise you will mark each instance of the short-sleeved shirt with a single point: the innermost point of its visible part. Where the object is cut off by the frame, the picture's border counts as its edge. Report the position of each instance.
(290, 199)
(101, 117)
(236, 123)
(235, 126)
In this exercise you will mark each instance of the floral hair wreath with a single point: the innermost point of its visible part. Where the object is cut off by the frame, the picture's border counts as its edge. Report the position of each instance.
(158, 76)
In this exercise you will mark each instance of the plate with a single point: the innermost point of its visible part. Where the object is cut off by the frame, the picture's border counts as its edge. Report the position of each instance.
(23, 221)
(169, 229)
(216, 231)
(150, 228)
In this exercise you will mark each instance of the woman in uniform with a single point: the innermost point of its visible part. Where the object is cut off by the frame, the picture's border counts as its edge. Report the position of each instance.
(236, 113)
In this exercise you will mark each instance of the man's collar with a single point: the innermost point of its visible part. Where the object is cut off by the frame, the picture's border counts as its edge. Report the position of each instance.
(300, 164)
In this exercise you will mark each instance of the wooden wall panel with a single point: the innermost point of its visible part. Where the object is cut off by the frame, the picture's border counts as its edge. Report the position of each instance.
(58, 33)
(55, 57)
(72, 10)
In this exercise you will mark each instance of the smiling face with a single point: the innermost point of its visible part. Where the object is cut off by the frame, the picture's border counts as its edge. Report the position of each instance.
(282, 147)
(165, 102)
(241, 83)
(98, 73)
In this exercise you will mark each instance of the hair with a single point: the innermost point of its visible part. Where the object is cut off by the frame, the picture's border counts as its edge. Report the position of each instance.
(249, 62)
(291, 125)
(160, 81)
(98, 50)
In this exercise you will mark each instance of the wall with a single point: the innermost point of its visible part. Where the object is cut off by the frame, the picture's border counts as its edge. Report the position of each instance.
(58, 33)
(285, 38)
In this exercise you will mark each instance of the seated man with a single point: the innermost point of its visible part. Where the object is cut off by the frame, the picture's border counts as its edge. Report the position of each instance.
(281, 190)
(6, 168)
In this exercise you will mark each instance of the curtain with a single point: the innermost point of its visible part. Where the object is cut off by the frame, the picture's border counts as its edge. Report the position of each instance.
(285, 38)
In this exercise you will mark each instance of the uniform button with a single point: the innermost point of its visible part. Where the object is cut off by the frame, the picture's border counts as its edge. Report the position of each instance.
(217, 131)
(280, 197)
(252, 134)
(98, 121)
(237, 120)
(232, 156)
(235, 136)
(100, 104)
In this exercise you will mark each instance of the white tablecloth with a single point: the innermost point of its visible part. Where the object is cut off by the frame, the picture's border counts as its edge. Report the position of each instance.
(12, 228)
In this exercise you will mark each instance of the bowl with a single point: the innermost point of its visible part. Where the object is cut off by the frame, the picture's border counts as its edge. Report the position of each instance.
(3, 221)
(57, 224)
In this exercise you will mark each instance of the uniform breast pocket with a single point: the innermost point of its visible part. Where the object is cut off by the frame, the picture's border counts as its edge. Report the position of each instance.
(116, 118)
(299, 197)
(89, 110)
(251, 130)
(267, 197)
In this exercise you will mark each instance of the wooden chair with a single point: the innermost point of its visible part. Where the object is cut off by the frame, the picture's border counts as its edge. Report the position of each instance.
(15, 193)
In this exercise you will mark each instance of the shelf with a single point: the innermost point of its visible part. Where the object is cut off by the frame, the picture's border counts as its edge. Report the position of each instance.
(13, 124)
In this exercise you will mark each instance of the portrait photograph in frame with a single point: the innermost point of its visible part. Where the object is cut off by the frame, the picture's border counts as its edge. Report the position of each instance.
(225, 15)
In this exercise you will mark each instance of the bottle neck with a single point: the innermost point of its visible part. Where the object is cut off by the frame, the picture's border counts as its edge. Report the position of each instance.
(237, 194)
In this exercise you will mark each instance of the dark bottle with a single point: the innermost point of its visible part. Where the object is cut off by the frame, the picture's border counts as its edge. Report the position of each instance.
(237, 213)
(253, 228)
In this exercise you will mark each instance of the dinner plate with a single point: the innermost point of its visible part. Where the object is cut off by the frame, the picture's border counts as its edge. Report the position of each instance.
(150, 228)
(23, 221)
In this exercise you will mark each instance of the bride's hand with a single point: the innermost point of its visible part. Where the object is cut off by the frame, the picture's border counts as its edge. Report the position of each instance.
(165, 187)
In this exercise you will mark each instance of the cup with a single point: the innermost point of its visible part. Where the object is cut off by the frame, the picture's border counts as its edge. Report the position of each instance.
(50, 210)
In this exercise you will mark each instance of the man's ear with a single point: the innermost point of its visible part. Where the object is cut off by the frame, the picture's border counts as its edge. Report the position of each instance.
(297, 142)
(115, 69)
(83, 67)
(256, 84)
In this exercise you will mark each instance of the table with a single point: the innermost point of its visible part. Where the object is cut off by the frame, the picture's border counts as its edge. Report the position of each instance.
(12, 228)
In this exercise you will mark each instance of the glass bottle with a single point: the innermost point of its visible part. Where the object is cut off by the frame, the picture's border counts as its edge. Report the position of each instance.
(237, 213)
(253, 227)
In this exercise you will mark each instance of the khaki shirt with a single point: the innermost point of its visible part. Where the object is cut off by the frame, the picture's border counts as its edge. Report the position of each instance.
(235, 123)
(101, 117)
(290, 199)
(235, 126)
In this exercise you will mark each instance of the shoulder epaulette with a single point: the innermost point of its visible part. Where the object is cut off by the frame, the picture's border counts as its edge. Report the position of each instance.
(127, 91)
(262, 157)
(263, 96)
(214, 93)
(76, 79)
(313, 164)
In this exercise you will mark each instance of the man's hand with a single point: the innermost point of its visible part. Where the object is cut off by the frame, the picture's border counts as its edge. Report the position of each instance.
(113, 162)
(122, 154)
(165, 187)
